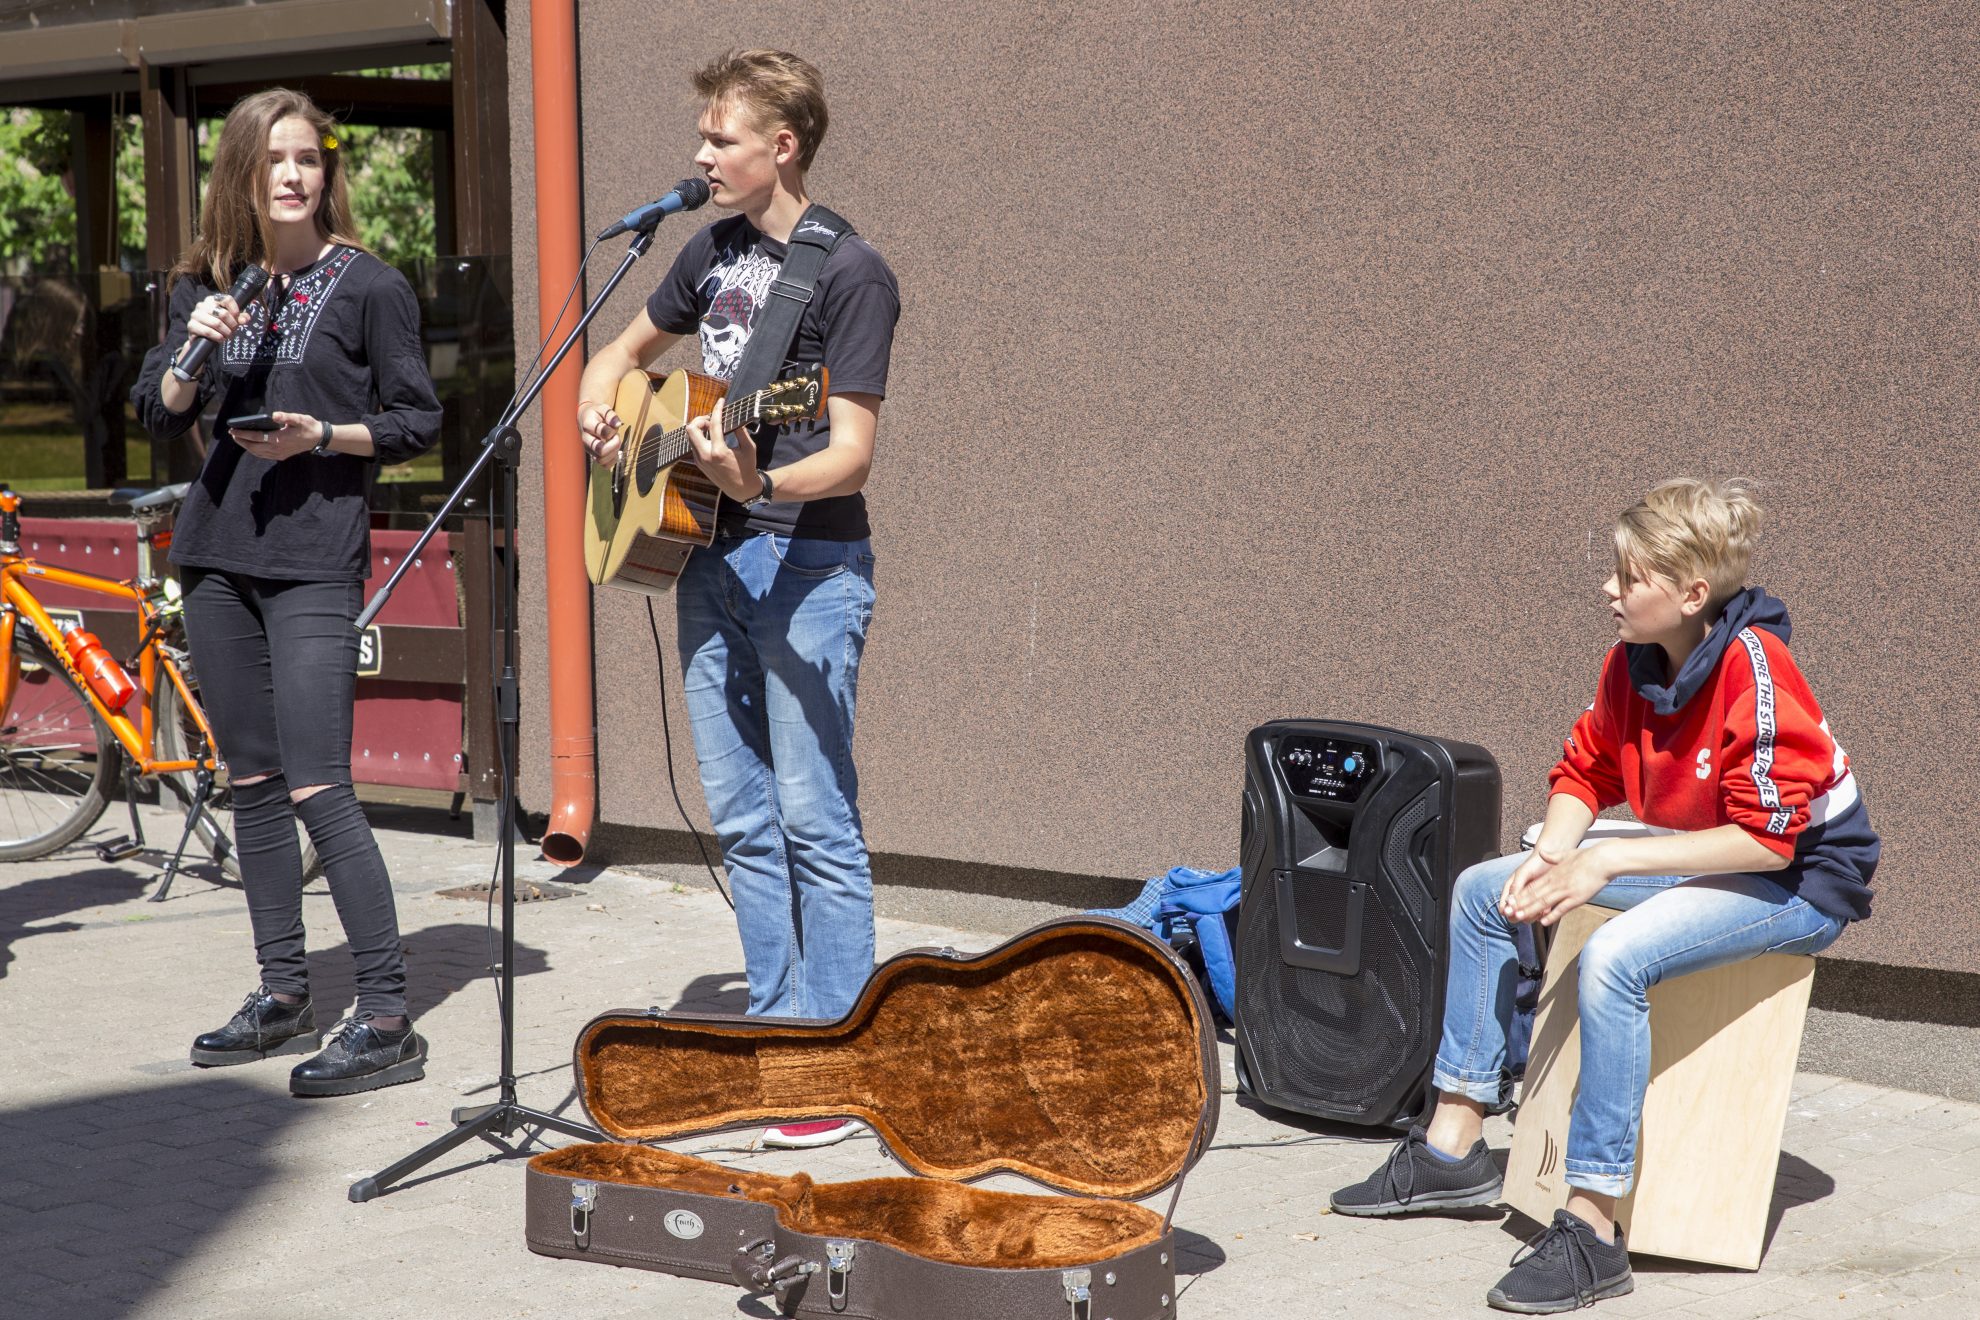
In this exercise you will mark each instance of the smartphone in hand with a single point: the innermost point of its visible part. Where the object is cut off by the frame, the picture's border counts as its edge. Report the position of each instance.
(254, 422)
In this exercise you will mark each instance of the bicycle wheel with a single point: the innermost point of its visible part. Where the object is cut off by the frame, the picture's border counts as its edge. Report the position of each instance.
(58, 761)
(178, 736)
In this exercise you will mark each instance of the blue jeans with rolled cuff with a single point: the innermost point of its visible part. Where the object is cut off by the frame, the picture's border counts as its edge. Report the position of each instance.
(1670, 925)
(771, 631)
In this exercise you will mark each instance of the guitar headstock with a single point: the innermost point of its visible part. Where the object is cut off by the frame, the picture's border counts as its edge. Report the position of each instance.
(793, 399)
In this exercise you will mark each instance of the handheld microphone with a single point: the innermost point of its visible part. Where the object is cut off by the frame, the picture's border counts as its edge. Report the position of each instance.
(686, 196)
(247, 287)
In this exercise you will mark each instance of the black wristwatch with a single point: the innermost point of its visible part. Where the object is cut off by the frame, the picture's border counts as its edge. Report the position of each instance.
(764, 496)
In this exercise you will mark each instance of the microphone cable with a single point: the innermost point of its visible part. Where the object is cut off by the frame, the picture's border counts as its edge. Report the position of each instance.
(667, 734)
(529, 376)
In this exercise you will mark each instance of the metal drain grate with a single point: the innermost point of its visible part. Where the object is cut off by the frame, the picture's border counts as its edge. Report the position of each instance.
(527, 891)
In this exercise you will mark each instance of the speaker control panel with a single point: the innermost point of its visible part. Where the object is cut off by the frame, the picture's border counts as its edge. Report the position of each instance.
(1335, 769)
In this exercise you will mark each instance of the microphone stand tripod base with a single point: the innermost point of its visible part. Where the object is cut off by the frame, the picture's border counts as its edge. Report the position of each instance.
(503, 1118)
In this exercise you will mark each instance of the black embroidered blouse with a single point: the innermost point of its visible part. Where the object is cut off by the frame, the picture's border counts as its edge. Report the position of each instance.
(341, 343)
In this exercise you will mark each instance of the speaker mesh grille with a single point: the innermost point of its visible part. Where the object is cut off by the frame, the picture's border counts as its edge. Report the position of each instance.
(1337, 1040)
(1397, 861)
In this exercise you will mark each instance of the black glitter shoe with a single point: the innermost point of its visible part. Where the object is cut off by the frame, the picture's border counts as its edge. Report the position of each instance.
(264, 1026)
(1563, 1269)
(1413, 1180)
(361, 1057)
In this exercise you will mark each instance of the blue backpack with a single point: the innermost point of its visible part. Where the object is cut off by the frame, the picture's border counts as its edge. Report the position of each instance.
(1196, 912)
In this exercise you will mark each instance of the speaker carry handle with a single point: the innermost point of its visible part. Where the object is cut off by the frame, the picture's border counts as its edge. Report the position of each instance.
(1344, 961)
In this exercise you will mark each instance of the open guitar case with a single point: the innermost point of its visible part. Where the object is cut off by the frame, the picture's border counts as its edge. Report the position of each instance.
(1079, 1055)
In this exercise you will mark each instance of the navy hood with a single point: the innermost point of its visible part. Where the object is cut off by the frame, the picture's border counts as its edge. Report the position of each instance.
(1751, 608)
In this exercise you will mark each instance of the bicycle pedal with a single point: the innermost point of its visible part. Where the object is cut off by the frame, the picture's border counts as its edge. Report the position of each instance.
(118, 850)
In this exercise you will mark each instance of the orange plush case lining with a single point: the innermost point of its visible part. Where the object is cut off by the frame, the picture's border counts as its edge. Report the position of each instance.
(1077, 1055)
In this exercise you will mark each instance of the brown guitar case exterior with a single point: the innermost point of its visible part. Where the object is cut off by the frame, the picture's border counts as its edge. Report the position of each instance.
(1079, 1055)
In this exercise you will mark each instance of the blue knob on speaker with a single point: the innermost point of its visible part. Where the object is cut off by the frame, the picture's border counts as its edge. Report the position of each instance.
(1350, 764)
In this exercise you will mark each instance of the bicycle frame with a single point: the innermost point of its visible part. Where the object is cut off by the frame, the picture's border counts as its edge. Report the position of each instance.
(137, 736)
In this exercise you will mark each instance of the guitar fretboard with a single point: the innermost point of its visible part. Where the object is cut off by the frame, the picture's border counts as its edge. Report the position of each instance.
(659, 446)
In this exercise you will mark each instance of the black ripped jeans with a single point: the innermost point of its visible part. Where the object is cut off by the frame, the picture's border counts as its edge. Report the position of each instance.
(277, 668)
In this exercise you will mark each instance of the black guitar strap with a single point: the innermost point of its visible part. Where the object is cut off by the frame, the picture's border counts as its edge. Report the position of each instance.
(818, 232)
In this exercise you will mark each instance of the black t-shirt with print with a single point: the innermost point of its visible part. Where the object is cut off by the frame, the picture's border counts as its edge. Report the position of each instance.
(717, 286)
(344, 347)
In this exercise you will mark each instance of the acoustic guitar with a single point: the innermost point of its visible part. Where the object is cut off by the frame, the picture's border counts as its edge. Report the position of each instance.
(648, 510)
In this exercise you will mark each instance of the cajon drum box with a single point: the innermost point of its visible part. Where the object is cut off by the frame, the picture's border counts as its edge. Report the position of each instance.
(1723, 1046)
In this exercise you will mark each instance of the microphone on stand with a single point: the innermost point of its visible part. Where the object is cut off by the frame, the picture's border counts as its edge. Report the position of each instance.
(686, 196)
(247, 287)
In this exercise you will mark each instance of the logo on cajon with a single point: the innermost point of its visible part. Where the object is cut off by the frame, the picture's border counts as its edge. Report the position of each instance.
(1550, 1160)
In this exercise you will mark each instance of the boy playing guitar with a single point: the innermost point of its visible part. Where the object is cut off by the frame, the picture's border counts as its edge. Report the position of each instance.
(773, 615)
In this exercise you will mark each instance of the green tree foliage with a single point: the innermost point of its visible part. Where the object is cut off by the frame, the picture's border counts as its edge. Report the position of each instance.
(37, 215)
(390, 171)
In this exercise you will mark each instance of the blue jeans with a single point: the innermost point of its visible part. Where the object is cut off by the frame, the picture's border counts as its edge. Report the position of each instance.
(771, 632)
(1670, 925)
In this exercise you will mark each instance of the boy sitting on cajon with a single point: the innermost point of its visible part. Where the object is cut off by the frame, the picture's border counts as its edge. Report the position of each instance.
(1706, 728)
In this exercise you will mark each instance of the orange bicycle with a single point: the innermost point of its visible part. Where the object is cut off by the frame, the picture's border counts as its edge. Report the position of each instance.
(73, 719)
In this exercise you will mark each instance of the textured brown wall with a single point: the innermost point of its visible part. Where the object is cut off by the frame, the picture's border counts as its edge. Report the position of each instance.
(1260, 365)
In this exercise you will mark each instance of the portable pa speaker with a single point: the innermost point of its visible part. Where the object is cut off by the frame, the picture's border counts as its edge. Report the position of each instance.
(1353, 836)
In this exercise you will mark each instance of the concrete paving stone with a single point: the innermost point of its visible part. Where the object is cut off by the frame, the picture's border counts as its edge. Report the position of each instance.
(1940, 1210)
(104, 1294)
(1810, 1083)
(1960, 1140)
(25, 1199)
(270, 1160)
(1701, 1281)
(66, 1257)
(1879, 1141)
(132, 1146)
(1898, 1103)
(189, 1132)
(1842, 1096)
(1938, 1115)
(1442, 1275)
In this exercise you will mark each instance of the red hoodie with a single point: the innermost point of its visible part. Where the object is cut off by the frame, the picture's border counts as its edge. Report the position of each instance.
(1737, 739)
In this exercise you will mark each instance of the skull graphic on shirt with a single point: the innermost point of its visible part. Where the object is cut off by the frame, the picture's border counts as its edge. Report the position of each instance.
(735, 288)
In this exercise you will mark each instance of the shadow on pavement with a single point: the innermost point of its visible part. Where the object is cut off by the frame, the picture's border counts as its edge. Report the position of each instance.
(716, 992)
(102, 1199)
(441, 961)
(52, 895)
(1796, 1183)
(1196, 1254)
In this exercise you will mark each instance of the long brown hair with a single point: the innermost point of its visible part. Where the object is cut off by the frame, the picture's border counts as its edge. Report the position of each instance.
(234, 226)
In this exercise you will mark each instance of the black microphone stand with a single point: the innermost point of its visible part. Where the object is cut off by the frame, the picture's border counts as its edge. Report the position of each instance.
(502, 446)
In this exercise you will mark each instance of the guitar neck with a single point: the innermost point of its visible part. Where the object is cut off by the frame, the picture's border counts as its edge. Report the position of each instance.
(659, 447)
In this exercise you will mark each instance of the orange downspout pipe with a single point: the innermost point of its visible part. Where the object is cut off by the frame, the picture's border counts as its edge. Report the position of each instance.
(567, 587)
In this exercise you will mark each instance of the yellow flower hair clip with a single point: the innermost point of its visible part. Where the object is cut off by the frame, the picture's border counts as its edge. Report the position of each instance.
(329, 141)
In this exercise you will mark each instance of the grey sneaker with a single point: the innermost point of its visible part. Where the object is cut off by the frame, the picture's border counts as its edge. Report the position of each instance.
(1413, 1180)
(1566, 1267)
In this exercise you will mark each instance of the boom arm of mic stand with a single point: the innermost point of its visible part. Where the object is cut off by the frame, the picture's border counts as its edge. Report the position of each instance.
(504, 441)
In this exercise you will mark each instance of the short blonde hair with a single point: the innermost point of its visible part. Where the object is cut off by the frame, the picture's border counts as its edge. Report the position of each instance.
(774, 88)
(1686, 529)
